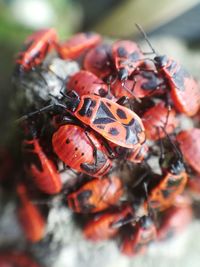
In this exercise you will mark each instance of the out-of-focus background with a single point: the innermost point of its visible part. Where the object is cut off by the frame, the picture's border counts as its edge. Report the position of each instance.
(173, 27)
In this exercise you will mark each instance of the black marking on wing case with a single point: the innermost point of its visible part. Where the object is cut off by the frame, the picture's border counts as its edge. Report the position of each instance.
(103, 115)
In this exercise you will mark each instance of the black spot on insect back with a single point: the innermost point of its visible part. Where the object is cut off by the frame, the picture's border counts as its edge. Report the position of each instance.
(179, 78)
(134, 56)
(172, 182)
(165, 193)
(113, 131)
(84, 195)
(121, 114)
(121, 51)
(87, 107)
(101, 127)
(102, 92)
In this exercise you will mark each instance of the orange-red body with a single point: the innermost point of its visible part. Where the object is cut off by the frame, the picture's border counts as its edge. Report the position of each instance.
(163, 189)
(174, 221)
(127, 58)
(98, 61)
(114, 122)
(142, 85)
(166, 189)
(73, 147)
(184, 90)
(78, 44)
(86, 83)
(189, 142)
(138, 155)
(157, 117)
(31, 219)
(16, 259)
(137, 242)
(42, 169)
(96, 195)
(101, 227)
(36, 48)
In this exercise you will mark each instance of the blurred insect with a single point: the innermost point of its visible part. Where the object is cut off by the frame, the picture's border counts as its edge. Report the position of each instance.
(96, 195)
(39, 166)
(98, 61)
(143, 233)
(127, 57)
(105, 226)
(86, 83)
(16, 259)
(77, 45)
(184, 90)
(31, 219)
(174, 221)
(37, 46)
(164, 189)
(156, 117)
(190, 147)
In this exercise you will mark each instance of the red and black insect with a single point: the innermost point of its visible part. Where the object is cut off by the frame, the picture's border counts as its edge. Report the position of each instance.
(77, 45)
(30, 217)
(136, 155)
(81, 150)
(184, 90)
(137, 242)
(142, 84)
(96, 195)
(40, 167)
(105, 226)
(164, 189)
(156, 117)
(98, 61)
(16, 259)
(112, 121)
(36, 48)
(174, 221)
(127, 58)
(190, 147)
(86, 83)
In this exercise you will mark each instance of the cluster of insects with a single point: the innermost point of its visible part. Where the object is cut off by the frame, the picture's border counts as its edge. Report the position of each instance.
(115, 125)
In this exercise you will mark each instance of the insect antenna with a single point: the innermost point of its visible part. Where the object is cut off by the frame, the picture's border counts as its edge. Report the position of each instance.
(140, 29)
(175, 148)
(167, 117)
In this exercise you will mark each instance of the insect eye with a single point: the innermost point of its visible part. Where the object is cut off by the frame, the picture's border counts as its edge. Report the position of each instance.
(102, 92)
(123, 74)
(160, 61)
